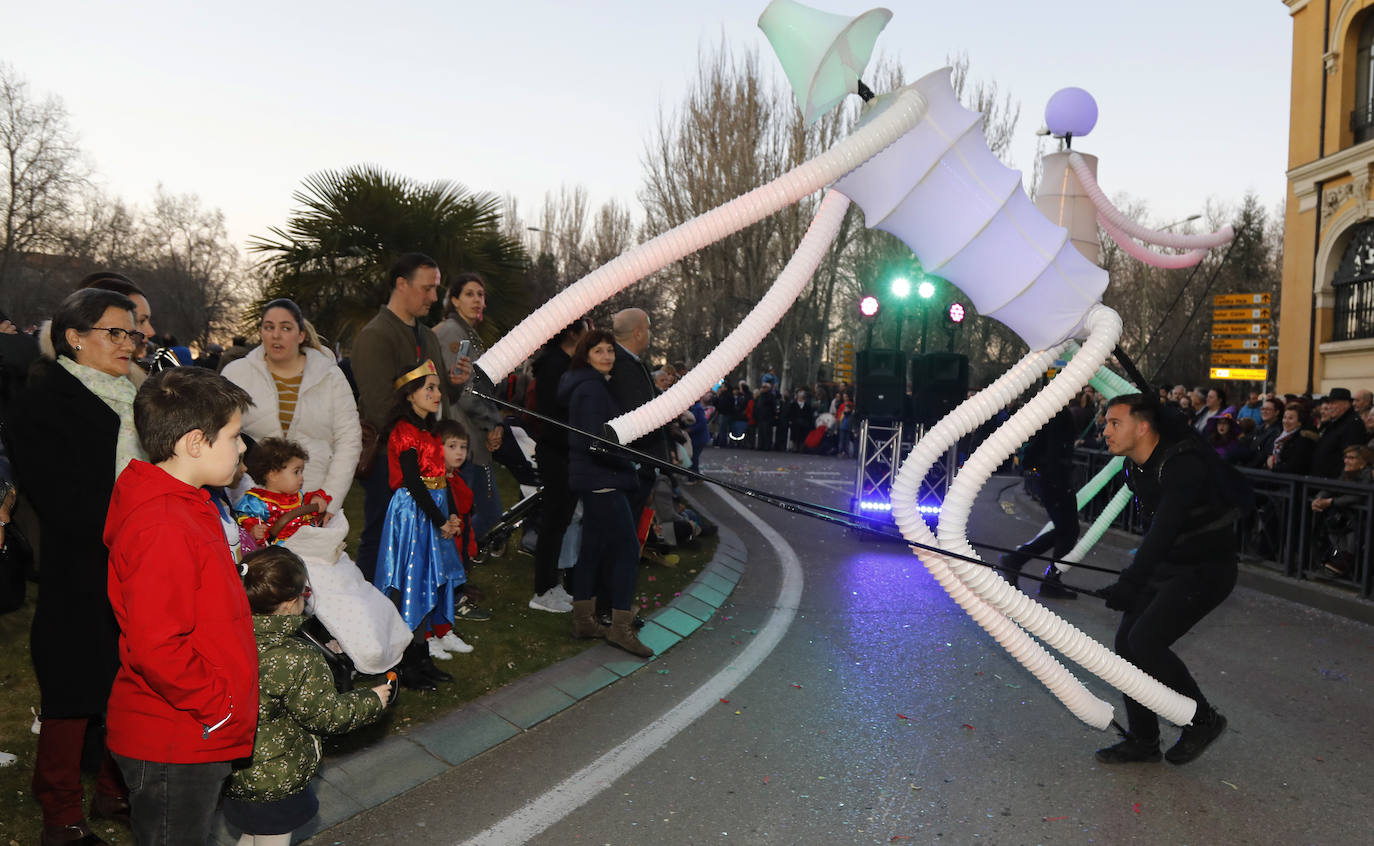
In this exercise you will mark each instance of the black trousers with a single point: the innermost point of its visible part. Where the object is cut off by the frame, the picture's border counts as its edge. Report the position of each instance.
(1157, 620)
(1063, 511)
(376, 498)
(610, 548)
(556, 506)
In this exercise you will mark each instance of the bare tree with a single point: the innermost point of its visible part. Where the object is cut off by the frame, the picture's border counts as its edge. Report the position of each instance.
(43, 171)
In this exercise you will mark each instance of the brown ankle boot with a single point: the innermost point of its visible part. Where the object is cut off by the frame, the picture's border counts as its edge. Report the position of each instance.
(584, 622)
(623, 634)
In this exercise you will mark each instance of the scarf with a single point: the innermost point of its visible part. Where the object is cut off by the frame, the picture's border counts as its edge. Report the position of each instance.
(1283, 436)
(118, 393)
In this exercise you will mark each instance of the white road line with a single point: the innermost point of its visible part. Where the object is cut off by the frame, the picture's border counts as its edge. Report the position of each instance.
(578, 789)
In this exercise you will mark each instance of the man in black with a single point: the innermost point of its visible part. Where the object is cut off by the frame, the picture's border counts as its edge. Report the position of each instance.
(765, 413)
(798, 420)
(1048, 460)
(1341, 428)
(1184, 567)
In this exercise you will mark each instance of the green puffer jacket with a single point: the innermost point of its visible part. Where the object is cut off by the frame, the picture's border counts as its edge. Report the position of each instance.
(297, 702)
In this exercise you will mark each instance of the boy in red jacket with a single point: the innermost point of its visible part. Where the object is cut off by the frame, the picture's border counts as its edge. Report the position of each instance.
(185, 701)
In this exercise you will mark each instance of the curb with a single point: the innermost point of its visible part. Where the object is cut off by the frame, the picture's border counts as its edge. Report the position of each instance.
(349, 785)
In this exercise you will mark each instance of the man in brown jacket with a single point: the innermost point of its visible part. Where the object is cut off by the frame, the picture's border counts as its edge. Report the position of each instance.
(389, 345)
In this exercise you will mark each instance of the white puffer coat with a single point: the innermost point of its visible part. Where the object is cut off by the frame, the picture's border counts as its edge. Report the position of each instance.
(326, 421)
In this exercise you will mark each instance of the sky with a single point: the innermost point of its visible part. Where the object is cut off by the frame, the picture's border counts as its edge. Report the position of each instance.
(238, 102)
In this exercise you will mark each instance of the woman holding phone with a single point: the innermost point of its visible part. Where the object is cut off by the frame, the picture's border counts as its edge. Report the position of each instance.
(465, 307)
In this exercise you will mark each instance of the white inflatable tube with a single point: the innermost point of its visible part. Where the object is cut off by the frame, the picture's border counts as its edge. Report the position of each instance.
(905, 487)
(707, 228)
(1106, 210)
(1104, 329)
(1147, 255)
(751, 331)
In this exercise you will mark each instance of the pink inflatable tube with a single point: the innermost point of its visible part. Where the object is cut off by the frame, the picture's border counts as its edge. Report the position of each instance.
(807, 178)
(757, 324)
(1147, 255)
(1104, 327)
(964, 419)
(1107, 211)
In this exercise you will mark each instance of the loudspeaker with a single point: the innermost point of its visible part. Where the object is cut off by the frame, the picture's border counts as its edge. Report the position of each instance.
(880, 384)
(823, 54)
(939, 382)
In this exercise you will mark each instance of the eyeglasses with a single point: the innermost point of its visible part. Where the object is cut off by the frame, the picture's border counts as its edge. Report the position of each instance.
(117, 335)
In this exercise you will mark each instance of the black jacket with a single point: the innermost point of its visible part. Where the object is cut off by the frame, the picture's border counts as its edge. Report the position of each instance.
(1264, 444)
(765, 407)
(549, 368)
(1184, 513)
(62, 444)
(1295, 454)
(590, 405)
(631, 386)
(1049, 454)
(1345, 431)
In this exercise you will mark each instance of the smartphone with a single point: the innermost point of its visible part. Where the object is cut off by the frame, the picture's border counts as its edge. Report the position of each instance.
(464, 348)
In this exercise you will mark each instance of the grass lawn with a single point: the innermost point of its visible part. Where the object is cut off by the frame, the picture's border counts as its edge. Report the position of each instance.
(516, 642)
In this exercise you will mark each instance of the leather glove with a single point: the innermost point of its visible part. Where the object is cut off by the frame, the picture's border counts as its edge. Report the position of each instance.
(1120, 595)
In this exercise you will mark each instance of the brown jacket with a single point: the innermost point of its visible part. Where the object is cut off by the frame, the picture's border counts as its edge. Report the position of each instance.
(383, 350)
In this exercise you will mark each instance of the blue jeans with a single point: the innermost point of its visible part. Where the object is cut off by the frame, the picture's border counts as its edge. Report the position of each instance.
(486, 500)
(172, 804)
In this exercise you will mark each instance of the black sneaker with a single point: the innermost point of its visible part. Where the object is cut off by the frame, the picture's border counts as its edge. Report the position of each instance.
(467, 611)
(1053, 587)
(1130, 751)
(1196, 737)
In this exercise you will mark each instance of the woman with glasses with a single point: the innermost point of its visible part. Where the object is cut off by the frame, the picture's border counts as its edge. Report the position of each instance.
(71, 433)
(300, 394)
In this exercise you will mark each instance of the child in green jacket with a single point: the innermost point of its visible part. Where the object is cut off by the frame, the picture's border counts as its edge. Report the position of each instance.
(297, 702)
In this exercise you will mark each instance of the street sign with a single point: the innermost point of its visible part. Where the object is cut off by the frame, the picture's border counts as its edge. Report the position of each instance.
(1240, 360)
(1240, 343)
(1220, 314)
(1240, 299)
(1241, 329)
(1242, 373)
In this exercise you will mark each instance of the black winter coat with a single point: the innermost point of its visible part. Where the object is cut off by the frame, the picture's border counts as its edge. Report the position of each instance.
(590, 407)
(549, 368)
(1295, 454)
(632, 386)
(1345, 431)
(765, 407)
(62, 443)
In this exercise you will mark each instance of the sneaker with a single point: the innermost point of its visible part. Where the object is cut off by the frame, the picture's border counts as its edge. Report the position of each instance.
(1196, 737)
(1339, 565)
(1130, 751)
(1053, 587)
(563, 595)
(454, 642)
(436, 649)
(549, 601)
(466, 611)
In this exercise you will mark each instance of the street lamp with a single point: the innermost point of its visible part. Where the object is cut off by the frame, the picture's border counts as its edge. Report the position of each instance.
(1189, 219)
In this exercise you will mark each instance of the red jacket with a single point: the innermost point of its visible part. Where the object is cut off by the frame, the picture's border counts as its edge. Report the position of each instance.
(187, 687)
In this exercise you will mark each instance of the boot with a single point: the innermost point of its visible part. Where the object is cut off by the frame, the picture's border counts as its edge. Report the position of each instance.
(77, 833)
(584, 620)
(1011, 569)
(1196, 736)
(623, 634)
(410, 673)
(1131, 750)
(1053, 586)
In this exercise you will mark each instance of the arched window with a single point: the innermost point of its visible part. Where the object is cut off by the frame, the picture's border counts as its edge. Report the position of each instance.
(1354, 287)
(1362, 118)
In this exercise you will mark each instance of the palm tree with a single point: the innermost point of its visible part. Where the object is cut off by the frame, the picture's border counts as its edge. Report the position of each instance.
(333, 254)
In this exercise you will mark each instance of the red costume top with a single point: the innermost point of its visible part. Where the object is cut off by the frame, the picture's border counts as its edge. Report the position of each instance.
(263, 507)
(429, 450)
(462, 501)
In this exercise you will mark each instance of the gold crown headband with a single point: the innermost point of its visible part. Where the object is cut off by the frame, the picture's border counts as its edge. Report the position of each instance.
(426, 369)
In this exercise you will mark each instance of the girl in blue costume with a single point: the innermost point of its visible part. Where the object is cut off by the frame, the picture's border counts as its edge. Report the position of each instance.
(419, 563)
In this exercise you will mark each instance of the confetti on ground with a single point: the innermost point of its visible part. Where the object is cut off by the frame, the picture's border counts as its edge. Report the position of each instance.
(1136, 807)
(797, 686)
(724, 701)
(660, 672)
(1015, 686)
(903, 717)
(653, 578)
(737, 713)
(765, 779)
(897, 837)
(1053, 819)
(1334, 675)
(1229, 784)
(967, 726)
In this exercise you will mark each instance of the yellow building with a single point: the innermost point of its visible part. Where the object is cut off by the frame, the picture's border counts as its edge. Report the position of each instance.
(1326, 319)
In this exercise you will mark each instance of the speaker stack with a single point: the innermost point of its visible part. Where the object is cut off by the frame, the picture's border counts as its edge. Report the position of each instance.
(880, 385)
(939, 382)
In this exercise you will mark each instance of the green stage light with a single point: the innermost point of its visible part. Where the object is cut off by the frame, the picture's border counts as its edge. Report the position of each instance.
(901, 287)
(926, 290)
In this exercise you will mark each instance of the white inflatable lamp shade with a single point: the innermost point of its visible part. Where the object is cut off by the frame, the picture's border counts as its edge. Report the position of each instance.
(942, 191)
(1071, 112)
(823, 54)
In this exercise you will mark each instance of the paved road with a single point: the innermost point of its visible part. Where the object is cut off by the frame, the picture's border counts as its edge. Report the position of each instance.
(883, 714)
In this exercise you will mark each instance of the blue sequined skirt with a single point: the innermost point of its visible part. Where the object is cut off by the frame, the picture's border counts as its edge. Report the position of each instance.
(416, 562)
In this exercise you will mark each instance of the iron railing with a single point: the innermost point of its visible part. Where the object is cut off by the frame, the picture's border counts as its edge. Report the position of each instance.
(1281, 534)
